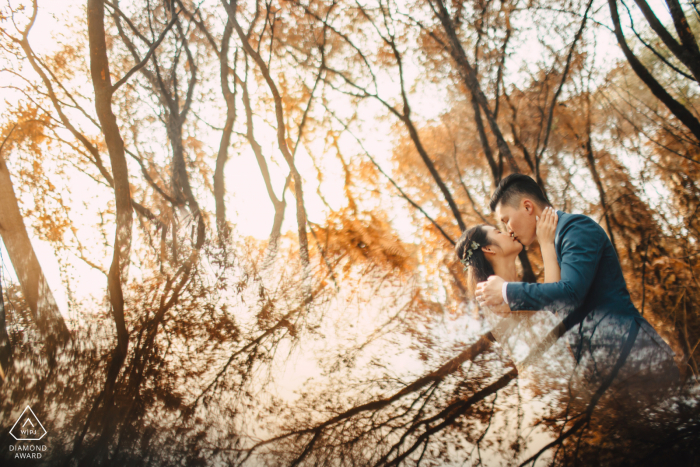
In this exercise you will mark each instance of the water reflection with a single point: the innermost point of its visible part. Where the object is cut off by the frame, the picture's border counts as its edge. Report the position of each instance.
(527, 392)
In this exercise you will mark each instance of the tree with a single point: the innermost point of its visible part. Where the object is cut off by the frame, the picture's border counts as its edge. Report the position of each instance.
(36, 290)
(348, 334)
(686, 52)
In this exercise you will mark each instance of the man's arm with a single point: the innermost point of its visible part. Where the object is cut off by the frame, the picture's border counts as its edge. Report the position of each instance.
(581, 248)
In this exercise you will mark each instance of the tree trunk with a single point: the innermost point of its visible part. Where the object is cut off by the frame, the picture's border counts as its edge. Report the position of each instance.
(590, 161)
(685, 116)
(5, 344)
(468, 75)
(281, 137)
(222, 156)
(101, 80)
(31, 278)
(99, 69)
(495, 168)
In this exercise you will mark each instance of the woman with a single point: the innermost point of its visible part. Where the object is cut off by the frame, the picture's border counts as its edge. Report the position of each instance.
(485, 251)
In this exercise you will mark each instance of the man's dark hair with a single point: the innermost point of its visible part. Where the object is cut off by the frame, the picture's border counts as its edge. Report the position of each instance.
(514, 187)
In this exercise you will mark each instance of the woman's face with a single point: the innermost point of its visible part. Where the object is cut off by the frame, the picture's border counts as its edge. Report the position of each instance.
(507, 244)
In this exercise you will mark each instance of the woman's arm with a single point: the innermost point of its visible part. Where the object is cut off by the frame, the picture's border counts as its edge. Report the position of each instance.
(546, 227)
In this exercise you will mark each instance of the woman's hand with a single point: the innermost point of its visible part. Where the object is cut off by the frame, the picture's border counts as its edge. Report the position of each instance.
(546, 226)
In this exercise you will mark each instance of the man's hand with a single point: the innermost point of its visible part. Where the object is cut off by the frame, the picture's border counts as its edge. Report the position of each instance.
(489, 293)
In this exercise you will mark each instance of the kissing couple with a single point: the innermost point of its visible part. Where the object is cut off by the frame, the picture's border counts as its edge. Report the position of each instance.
(583, 283)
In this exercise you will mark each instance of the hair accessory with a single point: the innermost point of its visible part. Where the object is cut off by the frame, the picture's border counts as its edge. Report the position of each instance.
(468, 256)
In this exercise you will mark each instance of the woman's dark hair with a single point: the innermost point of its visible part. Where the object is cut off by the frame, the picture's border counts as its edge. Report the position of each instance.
(479, 269)
(513, 187)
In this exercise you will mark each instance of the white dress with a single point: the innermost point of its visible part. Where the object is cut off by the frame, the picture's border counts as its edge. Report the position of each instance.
(531, 339)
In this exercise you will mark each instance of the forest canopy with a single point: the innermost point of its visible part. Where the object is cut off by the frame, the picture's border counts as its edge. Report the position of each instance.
(239, 218)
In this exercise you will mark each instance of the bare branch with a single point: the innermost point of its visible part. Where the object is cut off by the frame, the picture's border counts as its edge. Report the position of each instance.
(148, 55)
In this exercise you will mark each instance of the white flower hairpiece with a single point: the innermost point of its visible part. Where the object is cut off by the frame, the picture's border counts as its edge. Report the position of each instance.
(468, 255)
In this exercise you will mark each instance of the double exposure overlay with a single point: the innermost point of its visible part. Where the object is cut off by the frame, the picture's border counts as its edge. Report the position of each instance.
(233, 233)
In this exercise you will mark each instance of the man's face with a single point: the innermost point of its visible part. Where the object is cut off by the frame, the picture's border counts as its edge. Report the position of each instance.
(520, 222)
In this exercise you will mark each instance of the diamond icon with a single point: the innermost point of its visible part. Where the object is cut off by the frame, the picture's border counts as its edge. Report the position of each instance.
(28, 427)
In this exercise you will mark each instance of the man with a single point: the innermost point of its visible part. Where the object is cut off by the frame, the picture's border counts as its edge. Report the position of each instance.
(592, 294)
